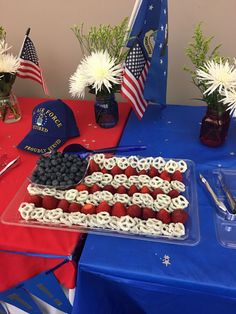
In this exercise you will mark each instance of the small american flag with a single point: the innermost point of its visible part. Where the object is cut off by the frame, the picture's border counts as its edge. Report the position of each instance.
(29, 64)
(134, 76)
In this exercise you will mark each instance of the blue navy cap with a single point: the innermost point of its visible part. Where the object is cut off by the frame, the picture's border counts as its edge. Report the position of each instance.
(53, 123)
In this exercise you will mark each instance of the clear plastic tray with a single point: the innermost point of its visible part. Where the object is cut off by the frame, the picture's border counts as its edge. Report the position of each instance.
(225, 228)
(192, 236)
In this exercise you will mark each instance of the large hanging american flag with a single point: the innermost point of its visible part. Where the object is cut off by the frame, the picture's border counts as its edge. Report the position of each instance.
(145, 71)
(29, 63)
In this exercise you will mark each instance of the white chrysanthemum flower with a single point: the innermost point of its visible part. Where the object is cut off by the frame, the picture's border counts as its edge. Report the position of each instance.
(3, 47)
(230, 101)
(78, 82)
(96, 71)
(9, 63)
(218, 76)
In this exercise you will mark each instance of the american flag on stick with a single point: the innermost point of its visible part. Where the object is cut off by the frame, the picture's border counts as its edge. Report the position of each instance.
(135, 73)
(29, 63)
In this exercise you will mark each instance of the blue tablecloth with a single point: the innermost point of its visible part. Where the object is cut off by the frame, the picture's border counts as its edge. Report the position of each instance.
(118, 275)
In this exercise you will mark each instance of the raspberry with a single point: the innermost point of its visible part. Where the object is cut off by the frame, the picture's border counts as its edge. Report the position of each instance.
(153, 172)
(179, 215)
(130, 171)
(121, 190)
(173, 193)
(88, 209)
(94, 188)
(49, 202)
(148, 213)
(165, 175)
(35, 199)
(63, 204)
(177, 175)
(145, 190)
(104, 170)
(133, 189)
(116, 170)
(156, 191)
(74, 207)
(103, 207)
(81, 187)
(109, 188)
(142, 172)
(134, 211)
(118, 210)
(93, 166)
(164, 216)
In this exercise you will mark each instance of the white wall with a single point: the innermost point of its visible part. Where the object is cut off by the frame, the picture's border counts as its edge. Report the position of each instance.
(59, 51)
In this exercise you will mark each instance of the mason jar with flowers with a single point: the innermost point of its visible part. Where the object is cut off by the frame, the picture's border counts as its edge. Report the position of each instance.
(101, 69)
(215, 77)
(9, 64)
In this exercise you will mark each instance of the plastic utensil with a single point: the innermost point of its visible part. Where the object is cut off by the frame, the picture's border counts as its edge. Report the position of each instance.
(83, 151)
(218, 203)
(12, 163)
(229, 196)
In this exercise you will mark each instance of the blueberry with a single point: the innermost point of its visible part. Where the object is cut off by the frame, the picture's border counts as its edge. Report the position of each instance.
(34, 177)
(58, 174)
(54, 162)
(55, 183)
(69, 182)
(78, 178)
(53, 176)
(43, 178)
(40, 162)
(71, 157)
(83, 168)
(40, 169)
(74, 169)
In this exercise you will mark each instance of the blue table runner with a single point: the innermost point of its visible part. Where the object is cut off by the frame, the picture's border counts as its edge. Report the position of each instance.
(118, 275)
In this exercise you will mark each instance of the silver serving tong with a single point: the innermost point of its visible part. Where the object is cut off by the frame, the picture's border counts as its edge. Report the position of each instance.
(220, 205)
(12, 163)
(228, 194)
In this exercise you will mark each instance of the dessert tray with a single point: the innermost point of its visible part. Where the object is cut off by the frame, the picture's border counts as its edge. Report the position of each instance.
(148, 198)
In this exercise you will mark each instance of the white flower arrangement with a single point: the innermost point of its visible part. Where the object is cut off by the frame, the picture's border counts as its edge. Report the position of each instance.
(214, 76)
(219, 78)
(98, 71)
(230, 101)
(8, 62)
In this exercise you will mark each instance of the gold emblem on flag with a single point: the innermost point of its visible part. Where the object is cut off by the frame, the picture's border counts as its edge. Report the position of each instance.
(149, 41)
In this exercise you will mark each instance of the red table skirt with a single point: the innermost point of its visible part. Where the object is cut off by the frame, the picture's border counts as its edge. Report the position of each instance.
(15, 268)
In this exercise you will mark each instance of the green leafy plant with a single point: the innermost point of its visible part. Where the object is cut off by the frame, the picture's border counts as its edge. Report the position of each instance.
(103, 37)
(2, 33)
(200, 52)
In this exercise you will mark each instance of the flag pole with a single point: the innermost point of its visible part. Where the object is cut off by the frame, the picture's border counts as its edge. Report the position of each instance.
(131, 22)
(26, 35)
(27, 32)
(134, 14)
